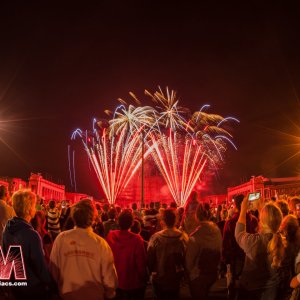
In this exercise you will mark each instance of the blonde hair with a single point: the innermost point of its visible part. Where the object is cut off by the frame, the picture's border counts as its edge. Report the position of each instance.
(22, 202)
(270, 220)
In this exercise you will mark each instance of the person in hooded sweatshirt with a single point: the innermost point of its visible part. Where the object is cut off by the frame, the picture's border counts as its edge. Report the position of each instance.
(130, 259)
(19, 231)
(203, 254)
(165, 253)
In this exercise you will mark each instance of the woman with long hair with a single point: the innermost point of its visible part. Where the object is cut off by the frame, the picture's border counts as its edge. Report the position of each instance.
(264, 253)
(38, 223)
(291, 230)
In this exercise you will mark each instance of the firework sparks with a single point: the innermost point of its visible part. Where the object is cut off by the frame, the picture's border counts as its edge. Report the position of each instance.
(181, 165)
(171, 115)
(193, 144)
(131, 119)
(115, 159)
(190, 147)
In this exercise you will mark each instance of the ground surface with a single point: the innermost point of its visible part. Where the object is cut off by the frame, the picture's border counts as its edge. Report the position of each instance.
(218, 291)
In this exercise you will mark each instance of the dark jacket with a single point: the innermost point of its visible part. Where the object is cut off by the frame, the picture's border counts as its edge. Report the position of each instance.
(39, 281)
(166, 258)
(204, 251)
(231, 250)
(110, 225)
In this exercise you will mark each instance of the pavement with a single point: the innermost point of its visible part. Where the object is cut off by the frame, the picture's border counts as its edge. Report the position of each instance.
(217, 292)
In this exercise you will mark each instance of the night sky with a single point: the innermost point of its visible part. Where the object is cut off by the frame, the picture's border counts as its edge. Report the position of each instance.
(60, 66)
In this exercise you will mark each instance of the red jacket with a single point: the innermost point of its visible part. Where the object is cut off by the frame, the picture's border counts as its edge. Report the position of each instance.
(130, 258)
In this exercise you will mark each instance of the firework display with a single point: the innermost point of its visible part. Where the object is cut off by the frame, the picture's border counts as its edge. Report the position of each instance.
(182, 144)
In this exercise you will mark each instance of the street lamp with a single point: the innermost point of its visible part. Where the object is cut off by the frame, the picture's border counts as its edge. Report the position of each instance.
(143, 171)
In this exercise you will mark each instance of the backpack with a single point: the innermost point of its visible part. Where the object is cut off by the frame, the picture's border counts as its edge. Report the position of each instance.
(170, 262)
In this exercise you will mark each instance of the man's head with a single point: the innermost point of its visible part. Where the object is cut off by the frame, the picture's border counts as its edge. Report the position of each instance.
(203, 212)
(134, 206)
(284, 207)
(238, 199)
(112, 213)
(169, 216)
(98, 207)
(224, 214)
(23, 202)
(52, 204)
(173, 204)
(83, 213)
(136, 226)
(295, 206)
(3, 193)
(106, 207)
(125, 219)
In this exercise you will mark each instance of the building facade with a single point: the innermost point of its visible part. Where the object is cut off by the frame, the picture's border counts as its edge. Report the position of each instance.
(75, 197)
(13, 184)
(46, 189)
(268, 187)
(214, 199)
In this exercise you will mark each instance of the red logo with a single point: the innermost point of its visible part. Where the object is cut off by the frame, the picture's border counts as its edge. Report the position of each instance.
(13, 262)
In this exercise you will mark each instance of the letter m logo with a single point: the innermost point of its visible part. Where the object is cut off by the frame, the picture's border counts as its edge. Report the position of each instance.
(12, 262)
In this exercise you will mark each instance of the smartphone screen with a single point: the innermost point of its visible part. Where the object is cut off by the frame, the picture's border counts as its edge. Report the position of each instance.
(254, 196)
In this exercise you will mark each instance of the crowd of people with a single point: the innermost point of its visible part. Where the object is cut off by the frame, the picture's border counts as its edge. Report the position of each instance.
(97, 251)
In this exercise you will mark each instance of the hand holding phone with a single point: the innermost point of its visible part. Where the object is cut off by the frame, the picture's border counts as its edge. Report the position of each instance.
(254, 196)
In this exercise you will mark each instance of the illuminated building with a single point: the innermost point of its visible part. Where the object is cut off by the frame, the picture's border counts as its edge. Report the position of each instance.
(46, 189)
(268, 187)
(3, 182)
(75, 197)
(13, 184)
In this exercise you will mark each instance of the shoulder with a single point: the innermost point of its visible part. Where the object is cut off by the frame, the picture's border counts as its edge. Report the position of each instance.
(62, 236)
(98, 239)
(155, 237)
(184, 236)
(112, 234)
(258, 240)
(103, 244)
(214, 230)
(8, 207)
(135, 237)
(205, 229)
(232, 221)
(32, 235)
